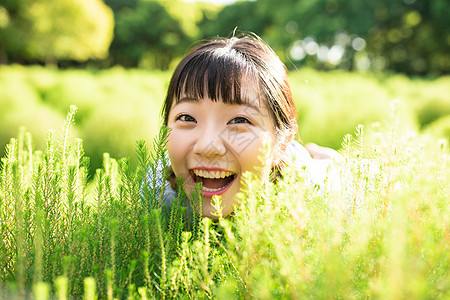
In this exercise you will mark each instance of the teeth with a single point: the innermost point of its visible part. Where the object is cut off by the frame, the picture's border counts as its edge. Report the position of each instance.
(210, 190)
(212, 174)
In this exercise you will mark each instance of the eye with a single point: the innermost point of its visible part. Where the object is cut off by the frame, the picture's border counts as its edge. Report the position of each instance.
(240, 120)
(185, 118)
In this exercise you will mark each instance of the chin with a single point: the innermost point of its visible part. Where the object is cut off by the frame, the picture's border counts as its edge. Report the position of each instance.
(210, 212)
(227, 192)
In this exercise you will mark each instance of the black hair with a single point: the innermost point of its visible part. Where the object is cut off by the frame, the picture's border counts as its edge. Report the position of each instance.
(218, 68)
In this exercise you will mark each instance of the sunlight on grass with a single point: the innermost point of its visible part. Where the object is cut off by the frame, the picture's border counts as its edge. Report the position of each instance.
(385, 235)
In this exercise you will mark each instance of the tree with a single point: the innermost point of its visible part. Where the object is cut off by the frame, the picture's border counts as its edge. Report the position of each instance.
(13, 28)
(413, 36)
(46, 31)
(241, 15)
(407, 36)
(147, 34)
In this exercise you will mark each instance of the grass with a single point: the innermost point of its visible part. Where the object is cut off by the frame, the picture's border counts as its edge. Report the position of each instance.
(385, 235)
(121, 106)
(116, 107)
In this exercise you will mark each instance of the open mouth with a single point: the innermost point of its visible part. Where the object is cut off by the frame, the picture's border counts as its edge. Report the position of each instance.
(214, 182)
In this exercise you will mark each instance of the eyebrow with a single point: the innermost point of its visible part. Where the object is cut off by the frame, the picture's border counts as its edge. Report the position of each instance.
(244, 102)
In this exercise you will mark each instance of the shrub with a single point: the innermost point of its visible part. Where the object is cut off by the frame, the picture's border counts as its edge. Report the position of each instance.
(331, 104)
(53, 231)
(440, 128)
(429, 100)
(118, 106)
(385, 235)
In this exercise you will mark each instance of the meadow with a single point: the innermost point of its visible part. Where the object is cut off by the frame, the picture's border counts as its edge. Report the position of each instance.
(117, 107)
(68, 234)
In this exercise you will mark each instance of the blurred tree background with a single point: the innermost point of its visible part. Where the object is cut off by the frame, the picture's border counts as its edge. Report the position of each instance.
(49, 31)
(407, 36)
(113, 59)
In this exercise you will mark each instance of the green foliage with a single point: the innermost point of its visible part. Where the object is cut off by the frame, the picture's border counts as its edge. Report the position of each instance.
(403, 36)
(53, 231)
(241, 15)
(146, 35)
(441, 128)
(118, 107)
(190, 14)
(21, 106)
(407, 36)
(384, 235)
(427, 98)
(331, 104)
(67, 29)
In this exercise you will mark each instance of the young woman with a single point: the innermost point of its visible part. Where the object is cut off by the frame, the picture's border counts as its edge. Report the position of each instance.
(230, 110)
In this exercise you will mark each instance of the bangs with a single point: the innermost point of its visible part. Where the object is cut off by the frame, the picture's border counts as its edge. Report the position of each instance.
(235, 71)
(218, 74)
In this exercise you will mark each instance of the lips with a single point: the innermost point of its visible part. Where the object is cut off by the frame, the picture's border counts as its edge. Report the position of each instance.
(214, 181)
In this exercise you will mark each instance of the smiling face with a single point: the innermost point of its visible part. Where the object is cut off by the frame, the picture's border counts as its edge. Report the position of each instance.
(214, 143)
(227, 100)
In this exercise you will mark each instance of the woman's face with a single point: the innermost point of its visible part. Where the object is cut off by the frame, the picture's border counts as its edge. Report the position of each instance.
(214, 143)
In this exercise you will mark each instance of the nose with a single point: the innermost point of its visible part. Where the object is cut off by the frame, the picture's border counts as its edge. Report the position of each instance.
(209, 143)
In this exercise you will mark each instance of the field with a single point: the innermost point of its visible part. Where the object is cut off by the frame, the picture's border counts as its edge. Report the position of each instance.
(116, 107)
(68, 231)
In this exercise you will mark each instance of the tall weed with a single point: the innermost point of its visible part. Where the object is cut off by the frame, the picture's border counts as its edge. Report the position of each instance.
(51, 231)
(384, 235)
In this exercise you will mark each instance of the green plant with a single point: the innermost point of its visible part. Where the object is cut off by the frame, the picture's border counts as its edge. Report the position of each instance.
(383, 235)
(116, 107)
(54, 232)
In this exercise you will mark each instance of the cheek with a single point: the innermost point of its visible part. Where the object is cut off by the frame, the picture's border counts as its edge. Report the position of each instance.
(257, 155)
(178, 147)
